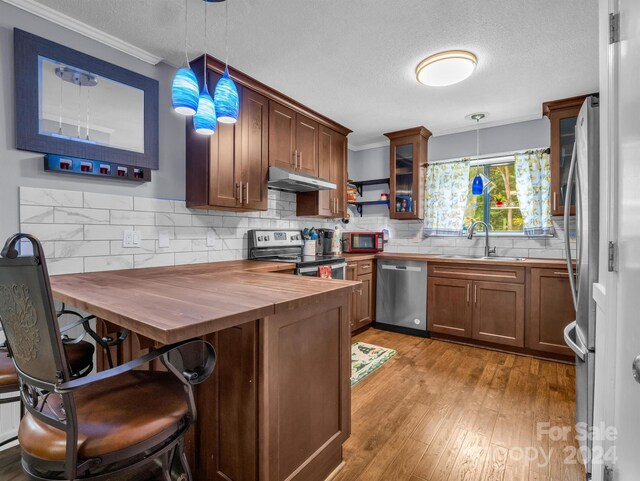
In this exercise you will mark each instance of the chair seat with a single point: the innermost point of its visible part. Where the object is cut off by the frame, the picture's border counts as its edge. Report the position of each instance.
(112, 415)
(79, 355)
(8, 376)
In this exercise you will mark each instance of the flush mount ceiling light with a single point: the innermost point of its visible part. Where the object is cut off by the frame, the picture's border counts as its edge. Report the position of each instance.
(446, 68)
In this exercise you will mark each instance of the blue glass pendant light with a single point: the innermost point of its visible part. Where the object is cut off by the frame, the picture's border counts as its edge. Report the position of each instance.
(226, 94)
(477, 186)
(204, 121)
(184, 90)
(226, 99)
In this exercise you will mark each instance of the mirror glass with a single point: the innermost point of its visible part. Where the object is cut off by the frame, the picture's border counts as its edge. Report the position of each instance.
(80, 106)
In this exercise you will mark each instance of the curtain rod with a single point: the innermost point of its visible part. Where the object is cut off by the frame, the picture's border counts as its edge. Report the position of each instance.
(496, 156)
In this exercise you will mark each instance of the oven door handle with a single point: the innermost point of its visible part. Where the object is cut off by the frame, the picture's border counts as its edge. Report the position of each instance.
(304, 270)
(338, 266)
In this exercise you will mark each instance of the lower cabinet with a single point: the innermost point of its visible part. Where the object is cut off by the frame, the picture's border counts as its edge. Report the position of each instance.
(363, 301)
(449, 306)
(486, 311)
(498, 312)
(524, 308)
(551, 309)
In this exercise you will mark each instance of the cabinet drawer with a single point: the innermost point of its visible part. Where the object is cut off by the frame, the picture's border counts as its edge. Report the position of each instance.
(365, 267)
(478, 273)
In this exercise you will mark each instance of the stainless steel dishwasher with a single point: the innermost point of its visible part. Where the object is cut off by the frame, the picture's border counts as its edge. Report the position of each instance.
(401, 296)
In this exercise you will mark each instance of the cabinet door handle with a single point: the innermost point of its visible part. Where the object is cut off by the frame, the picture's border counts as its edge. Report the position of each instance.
(555, 199)
(300, 158)
(295, 159)
(246, 188)
(468, 293)
(239, 191)
(475, 294)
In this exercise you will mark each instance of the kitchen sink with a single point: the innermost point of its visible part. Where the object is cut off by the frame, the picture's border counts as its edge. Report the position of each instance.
(484, 258)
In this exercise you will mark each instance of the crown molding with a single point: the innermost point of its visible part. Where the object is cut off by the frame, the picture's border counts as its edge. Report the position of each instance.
(375, 145)
(77, 26)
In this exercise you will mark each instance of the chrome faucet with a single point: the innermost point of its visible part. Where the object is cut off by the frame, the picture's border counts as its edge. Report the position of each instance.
(488, 252)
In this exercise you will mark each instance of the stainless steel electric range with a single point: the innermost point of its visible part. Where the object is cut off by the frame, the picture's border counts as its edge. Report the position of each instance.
(286, 245)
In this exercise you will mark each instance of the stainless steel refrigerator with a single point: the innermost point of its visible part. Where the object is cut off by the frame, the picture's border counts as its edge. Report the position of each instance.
(580, 335)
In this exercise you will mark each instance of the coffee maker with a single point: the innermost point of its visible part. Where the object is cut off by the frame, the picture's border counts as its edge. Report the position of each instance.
(326, 245)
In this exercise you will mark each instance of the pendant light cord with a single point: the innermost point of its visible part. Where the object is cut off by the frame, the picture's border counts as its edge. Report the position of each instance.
(204, 62)
(186, 30)
(226, 32)
(477, 143)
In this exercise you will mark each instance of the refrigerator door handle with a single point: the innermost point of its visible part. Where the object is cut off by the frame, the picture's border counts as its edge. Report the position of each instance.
(567, 213)
(570, 337)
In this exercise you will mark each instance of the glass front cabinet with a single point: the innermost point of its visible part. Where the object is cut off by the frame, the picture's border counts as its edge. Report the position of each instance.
(563, 115)
(407, 170)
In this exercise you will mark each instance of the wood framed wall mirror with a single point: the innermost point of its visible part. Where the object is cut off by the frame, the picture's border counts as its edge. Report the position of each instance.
(73, 104)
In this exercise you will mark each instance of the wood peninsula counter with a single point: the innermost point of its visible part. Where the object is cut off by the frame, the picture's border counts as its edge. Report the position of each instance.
(278, 404)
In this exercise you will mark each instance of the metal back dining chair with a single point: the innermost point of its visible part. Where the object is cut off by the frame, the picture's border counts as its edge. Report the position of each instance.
(102, 425)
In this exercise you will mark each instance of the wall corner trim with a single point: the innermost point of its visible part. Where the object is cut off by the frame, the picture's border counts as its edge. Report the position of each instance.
(77, 26)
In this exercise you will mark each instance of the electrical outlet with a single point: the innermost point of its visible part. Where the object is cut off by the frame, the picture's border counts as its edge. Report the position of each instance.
(211, 238)
(132, 238)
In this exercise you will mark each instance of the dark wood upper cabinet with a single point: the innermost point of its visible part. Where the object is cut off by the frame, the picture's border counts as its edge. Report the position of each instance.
(282, 137)
(307, 145)
(332, 164)
(293, 140)
(551, 309)
(563, 115)
(229, 170)
(407, 169)
(254, 152)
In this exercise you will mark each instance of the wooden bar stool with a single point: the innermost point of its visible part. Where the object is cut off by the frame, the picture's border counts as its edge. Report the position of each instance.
(102, 425)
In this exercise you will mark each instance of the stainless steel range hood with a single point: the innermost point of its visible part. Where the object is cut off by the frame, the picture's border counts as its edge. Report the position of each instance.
(295, 182)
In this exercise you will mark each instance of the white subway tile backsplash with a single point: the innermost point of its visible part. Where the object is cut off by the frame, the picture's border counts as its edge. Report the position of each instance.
(93, 200)
(52, 232)
(146, 204)
(84, 231)
(36, 214)
(191, 232)
(154, 260)
(81, 248)
(108, 263)
(50, 197)
(77, 215)
(69, 265)
(191, 257)
(177, 245)
(132, 217)
(104, 232)
(182, 220)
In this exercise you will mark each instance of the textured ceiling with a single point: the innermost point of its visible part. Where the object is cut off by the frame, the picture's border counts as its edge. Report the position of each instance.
(354, 60)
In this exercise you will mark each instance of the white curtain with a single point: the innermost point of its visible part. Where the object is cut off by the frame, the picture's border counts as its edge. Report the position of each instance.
(533, 184)
(447, 189)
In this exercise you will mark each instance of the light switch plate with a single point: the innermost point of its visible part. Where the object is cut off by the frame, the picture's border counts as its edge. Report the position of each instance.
(211, 238)
(132, 238)
(163, 238)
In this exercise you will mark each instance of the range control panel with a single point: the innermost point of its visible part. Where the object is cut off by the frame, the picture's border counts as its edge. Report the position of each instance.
(276, 238)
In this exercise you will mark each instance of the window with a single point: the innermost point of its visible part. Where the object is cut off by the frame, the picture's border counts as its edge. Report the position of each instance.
(498, 206)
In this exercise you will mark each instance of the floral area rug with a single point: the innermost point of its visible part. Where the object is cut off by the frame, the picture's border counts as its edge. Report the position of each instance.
(366, 358)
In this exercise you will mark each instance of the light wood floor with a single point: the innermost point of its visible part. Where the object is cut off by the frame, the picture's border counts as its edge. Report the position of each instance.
(443, 412)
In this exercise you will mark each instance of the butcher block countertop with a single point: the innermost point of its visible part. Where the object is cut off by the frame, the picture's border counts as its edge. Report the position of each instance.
(170, 304)
(528, 262)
